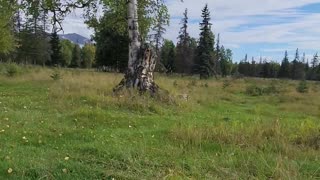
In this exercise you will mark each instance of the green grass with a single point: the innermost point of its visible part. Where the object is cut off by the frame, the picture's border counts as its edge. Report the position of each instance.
(221, 132)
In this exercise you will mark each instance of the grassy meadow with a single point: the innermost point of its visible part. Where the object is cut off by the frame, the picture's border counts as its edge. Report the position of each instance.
(76, 128)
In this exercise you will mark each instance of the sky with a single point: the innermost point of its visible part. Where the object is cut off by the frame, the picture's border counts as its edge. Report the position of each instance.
(265, 28)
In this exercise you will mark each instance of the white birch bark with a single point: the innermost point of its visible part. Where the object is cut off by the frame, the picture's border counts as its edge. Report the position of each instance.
(142, 60)
(134, 35)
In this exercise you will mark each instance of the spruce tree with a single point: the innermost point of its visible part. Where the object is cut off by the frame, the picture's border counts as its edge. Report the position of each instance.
(285, 67)
(76, 57)
(205, 66)
(313, 70)
(185, 51)
(298, 67)
(56, 57)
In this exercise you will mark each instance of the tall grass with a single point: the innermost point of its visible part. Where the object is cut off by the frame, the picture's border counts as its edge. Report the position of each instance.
(77, 128)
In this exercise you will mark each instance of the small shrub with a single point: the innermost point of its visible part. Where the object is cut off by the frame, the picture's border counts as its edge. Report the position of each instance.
(175, 83)
(226, 84)
(302, 87)
(254, 90)
(12, 70)
(272, 89)
(192, 83)
(56, 75)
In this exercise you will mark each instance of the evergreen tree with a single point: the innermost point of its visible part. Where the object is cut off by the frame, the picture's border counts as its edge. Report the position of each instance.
(205, 65)
(76, 57)
(244, 66)
(253, 68)
(285, 67)
(315, 61)
(167, 56)
(56, 57)
(184, 50)
(313, 70)
(298, 67)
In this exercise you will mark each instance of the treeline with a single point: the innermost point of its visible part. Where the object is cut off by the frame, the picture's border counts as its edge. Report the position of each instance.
(201, 56)
(297, 69)
(34, 45)
(24, 39)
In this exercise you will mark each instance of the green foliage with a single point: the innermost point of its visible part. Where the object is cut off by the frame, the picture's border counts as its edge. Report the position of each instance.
(185, 50)
(160, 20)
(88, 55)
(204, 60)
(76, 57)
(297, 68)
(34, 47)
(56, 56)
(6, 35)
(66, 52)
(192, 83)
(75, 128)
(111, 43)
(168, 55)
(302, 87)
(255, 90)
(225, 61)
(56, 75)
(175, 83)
(12, 69)
(285, 67)
(226, 83)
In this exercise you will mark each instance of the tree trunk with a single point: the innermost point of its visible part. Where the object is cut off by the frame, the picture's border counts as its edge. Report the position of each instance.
(142, 59)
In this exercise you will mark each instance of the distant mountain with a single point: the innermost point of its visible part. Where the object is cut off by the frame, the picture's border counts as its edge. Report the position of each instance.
(75, 38)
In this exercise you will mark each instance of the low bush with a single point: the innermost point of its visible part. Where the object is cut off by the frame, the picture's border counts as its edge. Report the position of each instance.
(56, 75)
(226, 84)
(12, 70)
(254, 90)
(302, 87)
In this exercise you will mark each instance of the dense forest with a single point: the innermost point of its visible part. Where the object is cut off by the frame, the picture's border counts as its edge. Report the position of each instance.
(25, 40)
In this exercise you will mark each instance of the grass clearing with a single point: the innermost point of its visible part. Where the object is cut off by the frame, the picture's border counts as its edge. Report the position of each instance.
(75, 128)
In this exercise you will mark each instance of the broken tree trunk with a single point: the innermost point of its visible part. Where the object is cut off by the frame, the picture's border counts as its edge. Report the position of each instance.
(142, 59)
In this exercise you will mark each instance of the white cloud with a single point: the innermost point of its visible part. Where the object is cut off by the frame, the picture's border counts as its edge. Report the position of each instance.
(260, 22)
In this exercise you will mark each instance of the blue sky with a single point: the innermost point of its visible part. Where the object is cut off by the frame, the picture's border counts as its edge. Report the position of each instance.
(259, 28)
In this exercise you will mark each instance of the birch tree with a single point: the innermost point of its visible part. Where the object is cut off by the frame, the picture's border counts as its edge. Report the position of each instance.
(142, 57)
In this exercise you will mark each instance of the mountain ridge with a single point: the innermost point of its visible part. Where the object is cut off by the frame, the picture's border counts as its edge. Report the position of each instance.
(75, 38)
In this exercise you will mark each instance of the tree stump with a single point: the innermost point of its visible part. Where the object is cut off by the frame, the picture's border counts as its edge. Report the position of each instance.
(141, 75)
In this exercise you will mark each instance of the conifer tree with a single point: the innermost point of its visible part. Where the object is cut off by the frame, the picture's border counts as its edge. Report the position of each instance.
(184, 50)
(298, 67)
(313, 71)
(205, 65)
(56, 57)
(285, 67)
